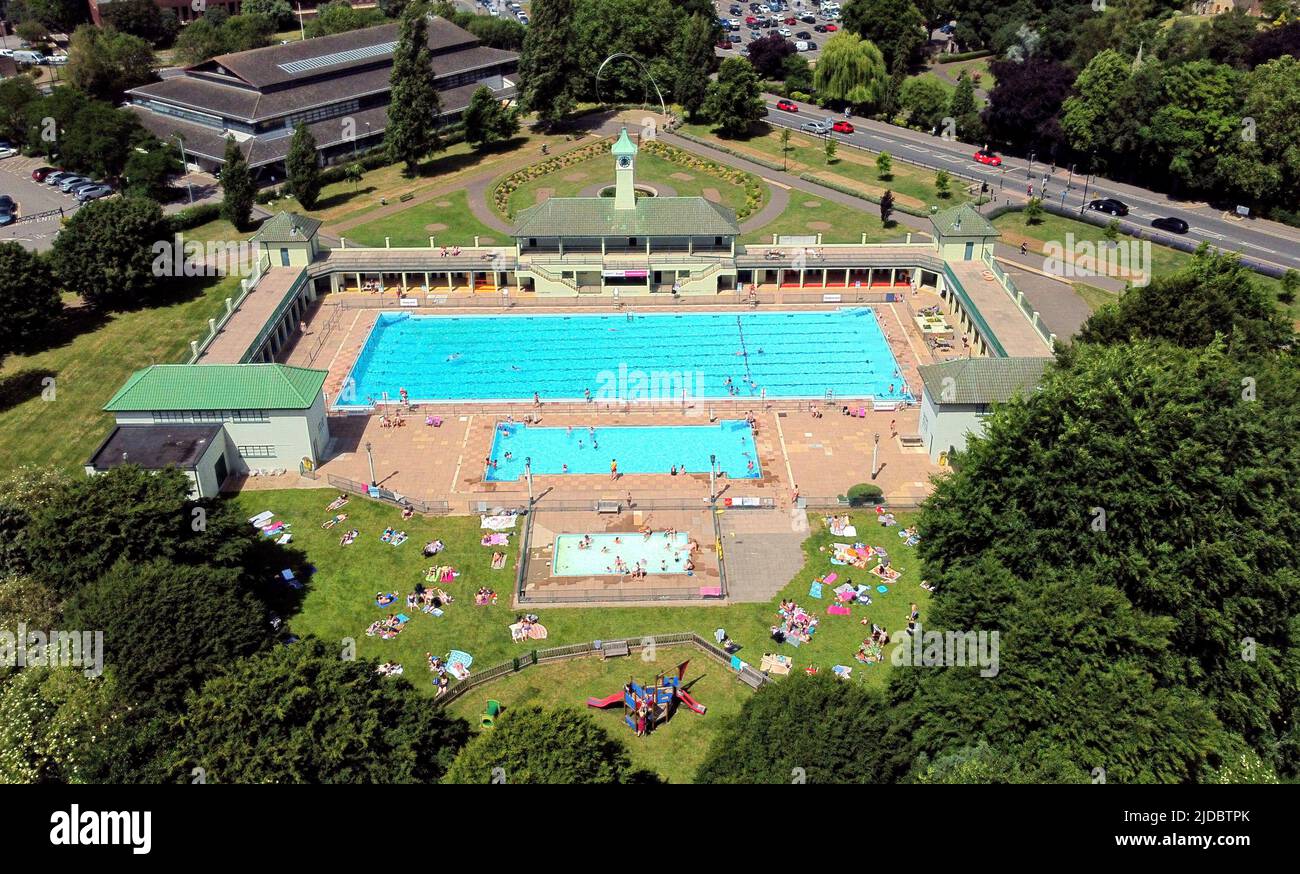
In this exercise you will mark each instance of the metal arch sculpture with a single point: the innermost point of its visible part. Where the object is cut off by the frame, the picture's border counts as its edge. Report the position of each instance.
(663, 107)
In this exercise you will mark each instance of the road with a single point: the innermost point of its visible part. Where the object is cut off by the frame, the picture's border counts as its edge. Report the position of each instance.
(1269, 242)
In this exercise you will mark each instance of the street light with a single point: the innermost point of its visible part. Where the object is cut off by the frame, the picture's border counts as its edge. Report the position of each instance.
(1029, 171)
(528, 477)
(713, 462)
(875, 453)
(371, 456)
(185, 168)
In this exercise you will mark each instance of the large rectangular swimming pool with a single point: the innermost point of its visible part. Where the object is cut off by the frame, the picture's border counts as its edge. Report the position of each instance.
(625, 357)
(620, 553)
(639, 449)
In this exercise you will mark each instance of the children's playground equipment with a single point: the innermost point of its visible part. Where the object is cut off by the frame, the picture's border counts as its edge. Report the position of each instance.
(656, 702)
(490, 715)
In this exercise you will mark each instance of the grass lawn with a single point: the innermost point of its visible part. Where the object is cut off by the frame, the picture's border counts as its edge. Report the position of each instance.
(1164, 260)
(650, 170)
(448, 219)
(339, 601)
(674, 750)
(855, 168)
(1094, 297)
(837, 223)
(88, 362)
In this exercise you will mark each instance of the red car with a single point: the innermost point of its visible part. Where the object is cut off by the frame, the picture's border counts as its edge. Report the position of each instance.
(984, 156)
(830, 28)
(786, 106)
(749, 19)
(39, 174)
(842, 127)
(792, 21)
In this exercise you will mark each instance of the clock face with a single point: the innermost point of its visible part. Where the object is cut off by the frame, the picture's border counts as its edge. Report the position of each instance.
(624, 162)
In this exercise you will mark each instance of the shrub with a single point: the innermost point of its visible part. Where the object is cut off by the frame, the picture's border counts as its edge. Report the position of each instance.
(865, 495)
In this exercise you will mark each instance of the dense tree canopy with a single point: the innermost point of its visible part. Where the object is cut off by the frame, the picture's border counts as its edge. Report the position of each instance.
(532, 745)
(732, 102)
(851, 70)
(301, 714)
(29, 298)
(105, 254)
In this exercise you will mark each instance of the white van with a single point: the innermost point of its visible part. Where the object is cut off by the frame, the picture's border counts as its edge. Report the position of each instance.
(26, 57)
(802, 46)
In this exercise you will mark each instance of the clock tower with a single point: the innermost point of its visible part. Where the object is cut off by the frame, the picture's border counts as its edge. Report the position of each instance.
(624, 152)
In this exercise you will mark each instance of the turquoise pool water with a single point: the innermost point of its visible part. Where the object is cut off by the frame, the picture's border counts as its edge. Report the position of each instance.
(639, 449)
(622, 357)
(659, 555)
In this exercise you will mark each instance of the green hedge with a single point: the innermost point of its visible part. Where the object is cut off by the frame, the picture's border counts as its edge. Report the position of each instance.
(193, 216)
(964, 56)
(865, 495)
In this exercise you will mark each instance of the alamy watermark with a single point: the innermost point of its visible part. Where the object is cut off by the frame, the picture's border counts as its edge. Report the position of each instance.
(181, 257)
(52, 649)
(1130, 259)
(626, 384)
(948, 649)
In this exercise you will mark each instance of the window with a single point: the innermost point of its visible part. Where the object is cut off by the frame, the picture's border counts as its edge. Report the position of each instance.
(257, 451)
(171, 416)
(249, 416)
(284, 257)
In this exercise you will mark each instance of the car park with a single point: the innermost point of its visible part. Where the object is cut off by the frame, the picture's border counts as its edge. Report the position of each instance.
(984, 156)
(842, 127)
(1170, 224)
(816, 127)
(1109, 205)
(787, 106)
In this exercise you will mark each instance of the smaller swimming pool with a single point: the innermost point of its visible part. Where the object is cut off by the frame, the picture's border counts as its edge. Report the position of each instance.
(637, 449)
(659, 554)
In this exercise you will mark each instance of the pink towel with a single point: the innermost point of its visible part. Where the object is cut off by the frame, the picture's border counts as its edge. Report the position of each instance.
(837, 610)
(831, 578)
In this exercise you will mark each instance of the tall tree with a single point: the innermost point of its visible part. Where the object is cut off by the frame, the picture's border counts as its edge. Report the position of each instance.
(733, 102)
(16, 94)
(1024, 107)
(105, 254)
(104, 63)
(238, 190)
(851, 70)
(303, 167)
(693, 54)
(412, 130)
(895, 26)
(29, 300)
(487, 121)
(546, 66)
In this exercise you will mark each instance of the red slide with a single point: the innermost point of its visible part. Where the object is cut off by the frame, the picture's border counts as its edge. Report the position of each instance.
(690, 702)
(602, 703)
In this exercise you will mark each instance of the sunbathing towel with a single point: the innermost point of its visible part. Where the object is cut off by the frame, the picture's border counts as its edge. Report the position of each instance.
(815, 590)
(402, 618)
(388, 600)
(830, 578)
(537, 632)
(260, 519)
(882, 589)
(336, 503)
(284, 539)
(838, 610)
(737, 664)
(836, 561)
(495, 539)
(399, 540)
(499, 561)
(844, 531)
(842, 671)
(498, 523)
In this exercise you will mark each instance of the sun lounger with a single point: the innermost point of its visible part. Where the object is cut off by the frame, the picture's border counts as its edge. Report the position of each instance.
(261, 518)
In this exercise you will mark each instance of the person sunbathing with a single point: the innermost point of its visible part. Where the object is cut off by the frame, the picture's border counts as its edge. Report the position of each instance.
(408, 511)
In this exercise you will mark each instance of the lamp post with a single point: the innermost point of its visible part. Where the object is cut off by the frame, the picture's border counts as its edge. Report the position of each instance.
(875, 453)
(1029, 171)
(528, 477)
(370, 455)
(185, 168)
(713, 463)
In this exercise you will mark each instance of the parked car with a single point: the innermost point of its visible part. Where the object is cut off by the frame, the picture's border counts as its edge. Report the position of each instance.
(59, 60)
(820, 28)
(785, 31)
(830, 28)
(842, 127)
(93, 192)
(984, 156)
(792, 21)
(803, 34)
(808, 19)
(751, 20)
(1109, 205)
(787, 106)
(1170, 224)
(803, 46)
(57, 176)
(816, 127)
(7, 218)
(723, 43)
(734, 38)
(29, 57)
(7, 204)
(77, 189)
(70, 182)
(39, 174)
(7, 151)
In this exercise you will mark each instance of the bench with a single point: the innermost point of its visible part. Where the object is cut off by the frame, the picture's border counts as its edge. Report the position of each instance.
(405, 197)
(608, 506)
(751, 677)
(614, 648)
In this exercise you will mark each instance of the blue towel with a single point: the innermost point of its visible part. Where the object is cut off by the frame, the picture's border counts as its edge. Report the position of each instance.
(736, 663)
(403, 618)
(882, 589)
(815, 590)
(792, 640)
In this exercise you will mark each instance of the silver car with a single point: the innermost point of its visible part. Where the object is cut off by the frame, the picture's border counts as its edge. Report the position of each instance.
(816, 127)
(70, 182)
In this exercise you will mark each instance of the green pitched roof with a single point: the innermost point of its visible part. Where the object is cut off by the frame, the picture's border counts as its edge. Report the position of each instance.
(218, 387)
(623, 145)
(652, 217)
(981, 380)
(286, 227)
(962, 221)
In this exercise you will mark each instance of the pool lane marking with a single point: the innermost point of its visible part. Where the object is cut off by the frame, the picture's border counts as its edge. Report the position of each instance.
(455, 476)
(339, 350)
(780, 436)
